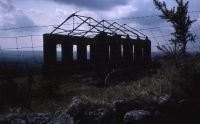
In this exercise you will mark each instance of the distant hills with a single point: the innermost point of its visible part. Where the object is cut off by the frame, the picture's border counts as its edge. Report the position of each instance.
(29, 58)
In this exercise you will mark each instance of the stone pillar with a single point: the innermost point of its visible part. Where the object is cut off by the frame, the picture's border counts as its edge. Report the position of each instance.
(128, 52)
(138, 52)
(115, 51)
(92, 53)
(81, 53)
(101, 53)
(147, 51)
(49, 51)
(67, 52)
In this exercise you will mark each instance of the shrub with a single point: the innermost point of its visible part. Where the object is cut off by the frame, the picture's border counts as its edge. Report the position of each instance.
(185, 76)
(189, 74)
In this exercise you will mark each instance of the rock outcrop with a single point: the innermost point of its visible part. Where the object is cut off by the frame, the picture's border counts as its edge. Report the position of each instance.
(165, 110)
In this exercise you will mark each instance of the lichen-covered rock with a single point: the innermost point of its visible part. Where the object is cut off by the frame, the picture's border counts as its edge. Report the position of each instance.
(121, 107)
(18, 121)
(162, 100)
(167, 106)
(95, 115)
(135, 116)
(75, 108)
(62, 118)
(38, 118)
(12, 116)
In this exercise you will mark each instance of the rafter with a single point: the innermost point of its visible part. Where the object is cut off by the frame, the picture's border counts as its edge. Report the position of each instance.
(88, 26)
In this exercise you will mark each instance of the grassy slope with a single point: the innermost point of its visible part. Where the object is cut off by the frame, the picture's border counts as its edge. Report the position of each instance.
(54, 94)
(144, 89)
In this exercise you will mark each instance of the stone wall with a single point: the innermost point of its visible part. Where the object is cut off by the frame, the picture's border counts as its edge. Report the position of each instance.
(101, 52)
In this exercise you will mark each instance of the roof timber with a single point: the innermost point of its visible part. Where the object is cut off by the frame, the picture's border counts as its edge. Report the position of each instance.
(84, 26)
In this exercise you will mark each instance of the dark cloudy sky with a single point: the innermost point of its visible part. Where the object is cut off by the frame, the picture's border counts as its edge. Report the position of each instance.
(19, 13)
(16, 13)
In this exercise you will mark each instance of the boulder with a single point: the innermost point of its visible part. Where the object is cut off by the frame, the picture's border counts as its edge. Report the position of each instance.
(38, 118)
(61, 118)
(76, 108)
(165, 99)
(86, 113)
(137, 116)
(18, 121)
(121, 107)
(15, 117)
(166, 104)
(95, 115)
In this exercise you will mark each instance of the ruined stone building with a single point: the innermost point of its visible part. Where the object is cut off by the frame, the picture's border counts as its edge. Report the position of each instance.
(86, 43)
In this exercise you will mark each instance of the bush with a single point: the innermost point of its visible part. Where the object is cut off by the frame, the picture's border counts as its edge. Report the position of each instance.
(13, 93)
(189, 74)
(185, 76)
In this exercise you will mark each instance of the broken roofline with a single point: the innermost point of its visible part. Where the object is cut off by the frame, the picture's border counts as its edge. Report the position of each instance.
(96, 27)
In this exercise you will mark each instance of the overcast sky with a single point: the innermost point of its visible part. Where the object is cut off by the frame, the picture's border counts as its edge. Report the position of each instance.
(19, 13)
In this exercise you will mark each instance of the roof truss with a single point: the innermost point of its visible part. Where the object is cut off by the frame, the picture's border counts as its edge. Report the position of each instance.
(82, 26)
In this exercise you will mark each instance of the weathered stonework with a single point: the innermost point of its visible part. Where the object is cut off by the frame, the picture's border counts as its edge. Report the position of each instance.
(106, 52)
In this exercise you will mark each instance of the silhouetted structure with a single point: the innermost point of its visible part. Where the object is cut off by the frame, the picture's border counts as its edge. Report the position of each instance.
(90, 44)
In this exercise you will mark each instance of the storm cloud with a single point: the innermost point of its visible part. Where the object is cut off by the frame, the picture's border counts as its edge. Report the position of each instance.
(12, 17)
(20, 13)
(95, 4)
(6, 7)
(146, 9)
